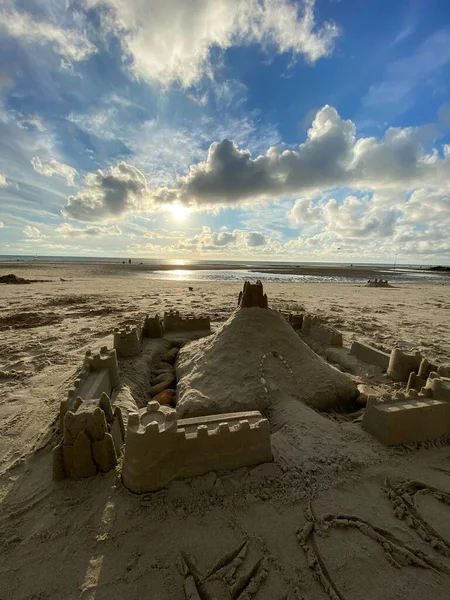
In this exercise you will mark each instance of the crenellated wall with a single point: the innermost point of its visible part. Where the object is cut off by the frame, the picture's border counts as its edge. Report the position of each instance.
(173, 321)
(99, 374)
(420, 414)
(159, 448)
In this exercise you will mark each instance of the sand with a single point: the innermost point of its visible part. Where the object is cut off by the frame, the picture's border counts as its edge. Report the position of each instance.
(254, 360)
(236, 534)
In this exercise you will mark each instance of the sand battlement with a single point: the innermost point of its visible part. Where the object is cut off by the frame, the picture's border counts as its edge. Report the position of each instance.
(173, 321)
(159, 448)
(99, 374)
(420, 413)
(127, 341)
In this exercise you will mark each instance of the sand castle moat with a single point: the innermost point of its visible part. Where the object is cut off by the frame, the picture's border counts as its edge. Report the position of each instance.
(205, 412)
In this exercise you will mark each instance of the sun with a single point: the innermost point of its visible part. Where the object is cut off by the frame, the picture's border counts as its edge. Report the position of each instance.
(179, 211)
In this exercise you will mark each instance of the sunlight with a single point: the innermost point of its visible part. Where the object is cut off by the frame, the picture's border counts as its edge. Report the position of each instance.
(179, 212)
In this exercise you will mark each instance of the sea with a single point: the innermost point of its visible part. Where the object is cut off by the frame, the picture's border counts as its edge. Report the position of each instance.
(219, 270)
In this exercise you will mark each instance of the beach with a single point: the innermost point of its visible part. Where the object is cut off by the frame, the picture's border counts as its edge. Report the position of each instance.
(92, 539)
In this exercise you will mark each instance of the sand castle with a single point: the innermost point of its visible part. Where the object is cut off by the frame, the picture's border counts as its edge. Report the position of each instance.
(93, 434)
(261, 359)
(99, 374)
(378, 283)
(412, 416)
(214, 420)
(153, 327)
(160, 448)
(127, 342)
(419, 413)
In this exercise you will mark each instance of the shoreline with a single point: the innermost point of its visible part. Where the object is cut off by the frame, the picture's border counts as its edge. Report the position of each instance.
(58, 270)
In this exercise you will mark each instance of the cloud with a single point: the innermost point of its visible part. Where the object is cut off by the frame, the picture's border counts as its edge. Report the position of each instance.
(304, 211)
(109, 194)
(71, 44)
(236, 241)
(53, 167)
(331, 156)
(379, 225)
(1, 224)
(254, 239)
(358, 218)
(35, 121)
(31, 232)
(3, 181)
(208, 240)
(172, 40)
(68, 231)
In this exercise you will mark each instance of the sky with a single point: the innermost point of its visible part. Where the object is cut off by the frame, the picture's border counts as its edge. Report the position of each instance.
(308, 130)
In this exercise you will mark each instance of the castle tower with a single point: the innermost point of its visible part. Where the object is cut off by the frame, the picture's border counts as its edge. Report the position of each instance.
(149, 462)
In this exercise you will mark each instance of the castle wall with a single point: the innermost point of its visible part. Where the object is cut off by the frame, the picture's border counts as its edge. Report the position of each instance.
(224, 448)
(99, 375)
(370, 355)
(420, 415)
(174, 322)
(326, 335)
(158, 450)
(413, 420)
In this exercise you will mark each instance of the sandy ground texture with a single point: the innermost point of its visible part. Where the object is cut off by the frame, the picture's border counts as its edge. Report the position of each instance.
(336, 515)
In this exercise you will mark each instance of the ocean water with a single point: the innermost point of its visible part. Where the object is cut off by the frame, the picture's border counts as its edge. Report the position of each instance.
(179, 270)
(189, 275)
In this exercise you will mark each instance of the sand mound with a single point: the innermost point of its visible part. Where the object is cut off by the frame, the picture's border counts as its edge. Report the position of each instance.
(252, 361)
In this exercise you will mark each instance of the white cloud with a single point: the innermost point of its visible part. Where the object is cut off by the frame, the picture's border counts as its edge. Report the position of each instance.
(1, 224)
(110, 194)
(234, 242)
(331, 156)
(71, 44)
(171, 41)
(3, 182)
(358, 218)
(31, 232)
(100, 122)
(304, 211)
(35, 121)
(53, 167)
(67, 230)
